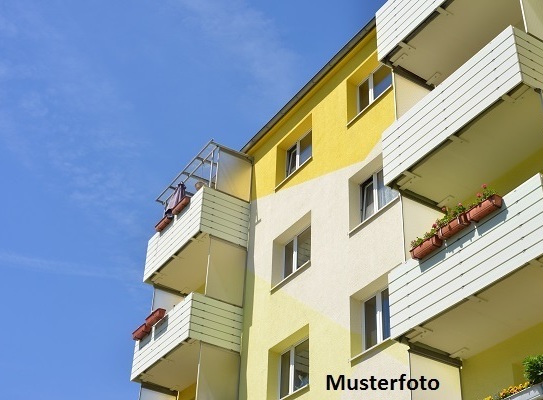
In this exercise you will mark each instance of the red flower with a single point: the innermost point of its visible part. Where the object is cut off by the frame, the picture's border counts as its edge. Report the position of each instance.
(479, 195)
(483, 185)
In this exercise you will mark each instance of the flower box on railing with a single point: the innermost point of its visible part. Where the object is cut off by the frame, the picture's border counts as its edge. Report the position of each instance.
(163, 223)
(141, 332)
(426, 247)
(453, 227)
(485, 208)
(181, 205)
(155, 316)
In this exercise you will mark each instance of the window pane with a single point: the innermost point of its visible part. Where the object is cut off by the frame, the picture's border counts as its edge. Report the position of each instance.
(370, 322)
(368, 207)
(304, 247)
(305, 148)
(363, 95)
(285, 374)
(291, 160)
(385, 314)
(384, 193)
(301, 365)
(289, 255)
(382, 80)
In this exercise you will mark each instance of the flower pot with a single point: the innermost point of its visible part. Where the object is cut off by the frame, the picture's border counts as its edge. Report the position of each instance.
(181, 205)
(141, 332)
(163, 223)
(426, 247)
(453, 227)
(155, 316)
(487, 207)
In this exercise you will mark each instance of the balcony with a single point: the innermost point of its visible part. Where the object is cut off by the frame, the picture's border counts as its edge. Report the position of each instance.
(210, 213)
(482, 287)
(431, 39)
(480, 124)
(211, 230)
(175, 355)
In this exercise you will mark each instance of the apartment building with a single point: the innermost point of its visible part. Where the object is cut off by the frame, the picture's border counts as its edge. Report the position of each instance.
(283, 270)
(468, 80)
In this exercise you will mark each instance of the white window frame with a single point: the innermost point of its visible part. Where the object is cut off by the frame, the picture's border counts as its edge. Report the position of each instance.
(371, 97)
(378, 318)
(294, 260)
(297, 151)
(376, 206)
(291, 350)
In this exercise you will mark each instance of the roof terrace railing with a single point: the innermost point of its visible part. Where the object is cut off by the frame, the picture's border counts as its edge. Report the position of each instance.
(215, 166)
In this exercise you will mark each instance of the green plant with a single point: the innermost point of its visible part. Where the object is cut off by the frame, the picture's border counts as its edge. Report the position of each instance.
(533, 368)
(450, 214)
(427, 235)
(482, 196)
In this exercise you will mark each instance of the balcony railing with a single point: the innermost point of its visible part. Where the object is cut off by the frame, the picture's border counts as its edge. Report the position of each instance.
(495, 250)
(432, 38)
(210, 212)
(482, 112)
(169, 347)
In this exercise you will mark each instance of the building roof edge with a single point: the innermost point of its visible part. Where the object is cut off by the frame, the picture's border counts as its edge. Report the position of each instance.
(311, 84)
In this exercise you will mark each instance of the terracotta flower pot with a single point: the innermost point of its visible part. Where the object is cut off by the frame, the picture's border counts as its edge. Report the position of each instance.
(163, 223)
(155, 316)
(426, 247)
(453, 227)
(181, 205)
(487, 207)
(141, 332)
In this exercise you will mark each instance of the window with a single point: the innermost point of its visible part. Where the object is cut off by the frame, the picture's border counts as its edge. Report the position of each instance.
(294, 372)
(299, 153)
(297, 252)
(376, 84)
(376, 319)
(375, 195)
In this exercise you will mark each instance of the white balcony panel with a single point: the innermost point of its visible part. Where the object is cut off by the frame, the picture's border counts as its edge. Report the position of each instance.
(397, 19)
(209, 211)
(486, 253)
(196, 318)
(510, 59)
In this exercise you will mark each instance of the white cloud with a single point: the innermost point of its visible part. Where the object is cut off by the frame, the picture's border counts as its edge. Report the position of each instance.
(251, 38)
(18, 261)
(64, 120)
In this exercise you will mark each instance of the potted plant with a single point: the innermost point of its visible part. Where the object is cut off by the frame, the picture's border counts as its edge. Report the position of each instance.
(142, 331)
(421, 247)
(533, 369)
(453, 221)
(487, 202)
(155, 316)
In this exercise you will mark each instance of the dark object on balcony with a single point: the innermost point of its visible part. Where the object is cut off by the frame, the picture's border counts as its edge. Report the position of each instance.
(454, 226)
(175, 199)
(141, 332)
(426, 247)
(486, 207)
(155, 316)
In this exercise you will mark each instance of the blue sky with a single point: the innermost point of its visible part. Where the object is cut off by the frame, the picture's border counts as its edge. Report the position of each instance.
(102, 103)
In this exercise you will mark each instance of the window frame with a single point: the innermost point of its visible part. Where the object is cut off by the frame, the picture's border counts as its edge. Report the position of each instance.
(292, 356)
(381, 336)
(296, 150)
(373, 180)
(371, 87)
(295, 250)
